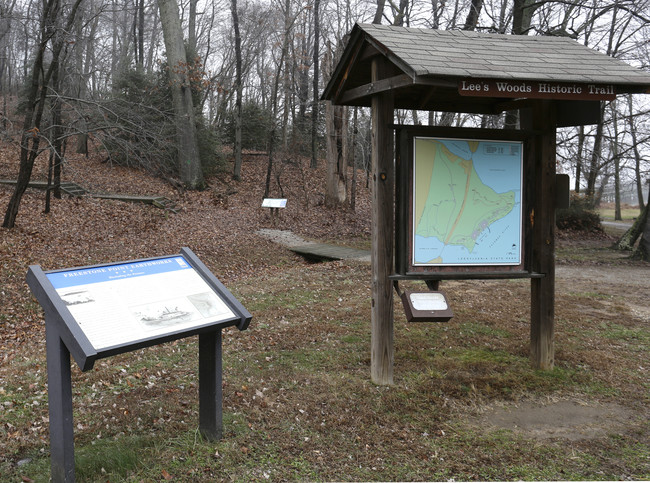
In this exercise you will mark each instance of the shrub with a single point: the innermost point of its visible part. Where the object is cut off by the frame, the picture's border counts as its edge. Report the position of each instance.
(138, 122)
(135, 124)
(579, 216)
(212, 159)
(256, 125)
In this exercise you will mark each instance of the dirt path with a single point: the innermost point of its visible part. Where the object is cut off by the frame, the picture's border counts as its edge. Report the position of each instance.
(568, 419)
(629, 282)
(579, 418)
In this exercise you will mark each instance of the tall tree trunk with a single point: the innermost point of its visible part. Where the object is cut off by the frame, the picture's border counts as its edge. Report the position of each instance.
(629, 238)
(188, 151)
(301, 69)
(81, 79)
(472, 16)
(274, 111)
(598, 195)
(286, 83)
(643, 250)
(522, 15)
(155, 32)
(336, 124)
(579, 160)
(637, 155)
(353, 188)
(401, 16)
(437, 6)
(617, 166)
(315, 104)
(379, 13)
(238, 87)
(594, 164)
(57, 135)
(337, 150)
(140, 37)
(191, 34)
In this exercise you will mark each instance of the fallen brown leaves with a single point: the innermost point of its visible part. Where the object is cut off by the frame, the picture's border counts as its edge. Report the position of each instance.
(219, 224)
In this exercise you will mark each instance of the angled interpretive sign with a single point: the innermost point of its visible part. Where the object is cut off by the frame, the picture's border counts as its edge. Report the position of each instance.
(102, 310)
(108, 309)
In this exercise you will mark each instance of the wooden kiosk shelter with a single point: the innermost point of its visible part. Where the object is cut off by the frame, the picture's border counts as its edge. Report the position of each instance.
(552, 82)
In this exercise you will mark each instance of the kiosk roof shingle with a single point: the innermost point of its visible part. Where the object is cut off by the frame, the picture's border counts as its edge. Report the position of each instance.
(424, 67)
(428, 52)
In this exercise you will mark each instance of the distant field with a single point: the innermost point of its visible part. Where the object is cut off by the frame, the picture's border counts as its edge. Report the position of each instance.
(627, 212)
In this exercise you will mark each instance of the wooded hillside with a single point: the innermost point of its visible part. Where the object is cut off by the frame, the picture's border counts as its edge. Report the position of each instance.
(163, 85)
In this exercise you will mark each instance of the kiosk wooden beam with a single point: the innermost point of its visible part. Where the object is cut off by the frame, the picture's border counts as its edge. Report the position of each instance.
(382, 348)
(542, 306)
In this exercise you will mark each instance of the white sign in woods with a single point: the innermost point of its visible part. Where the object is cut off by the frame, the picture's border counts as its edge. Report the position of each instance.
(274, 203)
(117, 304)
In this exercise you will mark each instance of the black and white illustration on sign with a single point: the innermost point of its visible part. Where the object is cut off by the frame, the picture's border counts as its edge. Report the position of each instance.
(117, 304)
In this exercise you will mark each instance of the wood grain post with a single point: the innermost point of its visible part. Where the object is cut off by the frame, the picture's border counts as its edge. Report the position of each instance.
(542, 307)
(382, 348)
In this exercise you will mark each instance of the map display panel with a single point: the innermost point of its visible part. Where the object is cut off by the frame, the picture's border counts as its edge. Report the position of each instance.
(118, 304)
(467, 207)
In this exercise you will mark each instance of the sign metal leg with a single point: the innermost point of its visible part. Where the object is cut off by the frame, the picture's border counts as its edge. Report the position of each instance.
(59, 384)
(210, 390)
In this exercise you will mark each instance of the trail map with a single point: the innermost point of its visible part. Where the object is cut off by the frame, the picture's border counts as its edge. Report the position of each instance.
(467, 202)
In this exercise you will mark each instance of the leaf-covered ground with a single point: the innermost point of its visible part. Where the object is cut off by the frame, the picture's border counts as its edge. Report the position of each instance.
(219, 224)
(298, 403)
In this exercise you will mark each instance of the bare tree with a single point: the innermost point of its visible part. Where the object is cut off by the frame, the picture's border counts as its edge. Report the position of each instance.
(238, 90)
(315, 103)
(188, 151)
(53, 26)
(637, 154)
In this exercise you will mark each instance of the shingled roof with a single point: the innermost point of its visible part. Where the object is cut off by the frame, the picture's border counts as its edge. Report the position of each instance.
(426, 60)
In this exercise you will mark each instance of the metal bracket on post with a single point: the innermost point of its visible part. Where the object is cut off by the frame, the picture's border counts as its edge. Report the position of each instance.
(433, 285)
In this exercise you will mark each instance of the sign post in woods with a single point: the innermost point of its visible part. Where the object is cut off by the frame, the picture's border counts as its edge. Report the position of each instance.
(100, 311)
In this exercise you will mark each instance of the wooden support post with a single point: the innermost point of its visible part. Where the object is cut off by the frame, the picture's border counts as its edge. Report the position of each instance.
(542, 307)
(382, 348)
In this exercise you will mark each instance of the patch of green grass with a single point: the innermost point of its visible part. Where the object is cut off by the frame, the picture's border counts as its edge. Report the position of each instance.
(640, 335)
(307, 360)
(117, 457)
(483, 355)
(352, 339)
(471, 328)
(101, 460)
(627, 214)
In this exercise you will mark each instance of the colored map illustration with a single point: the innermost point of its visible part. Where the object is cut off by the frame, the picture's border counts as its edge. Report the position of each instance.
(467, 202)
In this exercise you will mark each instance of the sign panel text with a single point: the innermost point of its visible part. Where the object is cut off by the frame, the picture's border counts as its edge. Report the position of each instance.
(536, 89)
